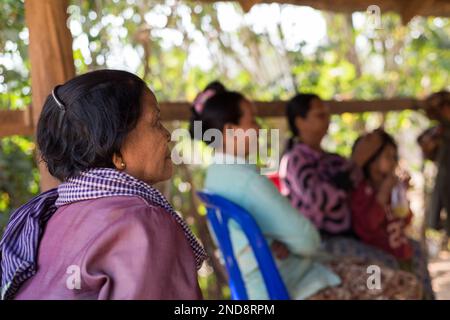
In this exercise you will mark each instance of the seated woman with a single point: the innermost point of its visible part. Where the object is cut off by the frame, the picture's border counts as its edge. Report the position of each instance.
(293, 238)
(380, 209)
(105, 232)
(318, 183)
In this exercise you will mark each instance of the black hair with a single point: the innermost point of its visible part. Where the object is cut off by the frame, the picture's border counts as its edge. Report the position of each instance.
(100, 109)
(221, 108)
(298, 106)
(387, 140)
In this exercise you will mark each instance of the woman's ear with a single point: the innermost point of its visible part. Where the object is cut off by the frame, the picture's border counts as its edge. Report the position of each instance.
(118, 161)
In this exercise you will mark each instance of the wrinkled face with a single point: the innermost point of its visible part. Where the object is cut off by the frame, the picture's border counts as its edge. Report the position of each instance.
(248, 125)
(385, 164)
(317, 120)
(145, 150)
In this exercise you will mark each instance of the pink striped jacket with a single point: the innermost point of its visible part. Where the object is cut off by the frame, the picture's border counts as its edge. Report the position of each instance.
(318, 185)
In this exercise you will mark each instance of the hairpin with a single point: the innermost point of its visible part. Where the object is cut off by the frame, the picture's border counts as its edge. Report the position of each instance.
(58, 102)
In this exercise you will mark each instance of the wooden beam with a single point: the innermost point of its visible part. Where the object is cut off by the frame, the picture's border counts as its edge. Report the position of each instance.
(413, 8)
(248, 4)
(181, 110)
(16, 121)
(51, 57)
(440, 8)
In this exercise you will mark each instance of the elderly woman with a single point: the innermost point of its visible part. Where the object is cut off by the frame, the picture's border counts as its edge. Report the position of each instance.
(105, 232)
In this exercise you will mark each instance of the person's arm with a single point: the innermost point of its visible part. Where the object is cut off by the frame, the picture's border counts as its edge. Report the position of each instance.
(278, 219)
(143, 255)
(321, 200)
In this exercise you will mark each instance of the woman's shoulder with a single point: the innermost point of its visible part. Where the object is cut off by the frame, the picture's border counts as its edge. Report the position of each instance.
(125, 203)
(301, 151)
(110, 210)
(229, 173)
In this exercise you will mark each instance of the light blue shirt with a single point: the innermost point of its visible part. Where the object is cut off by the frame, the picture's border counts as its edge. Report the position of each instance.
(277, 219)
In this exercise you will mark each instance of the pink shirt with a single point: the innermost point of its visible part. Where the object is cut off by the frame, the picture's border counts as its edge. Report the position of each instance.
(113, 248)
(318, 184)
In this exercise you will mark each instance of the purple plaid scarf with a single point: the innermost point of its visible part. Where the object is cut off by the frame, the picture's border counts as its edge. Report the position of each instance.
(20, 241)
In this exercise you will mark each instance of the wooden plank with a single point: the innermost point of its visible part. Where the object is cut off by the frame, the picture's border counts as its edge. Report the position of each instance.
(51, 57)
(16, 121)
(181, 110)
(414, 7)
(440, 8)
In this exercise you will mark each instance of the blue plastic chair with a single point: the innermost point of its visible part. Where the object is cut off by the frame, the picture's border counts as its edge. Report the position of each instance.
(219, 212)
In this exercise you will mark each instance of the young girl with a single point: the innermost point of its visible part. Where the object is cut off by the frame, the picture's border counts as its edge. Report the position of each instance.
(380, 211)
(374, 219)
(294, 240)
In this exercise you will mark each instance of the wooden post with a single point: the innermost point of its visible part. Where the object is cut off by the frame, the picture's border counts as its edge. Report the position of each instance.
(51, 58)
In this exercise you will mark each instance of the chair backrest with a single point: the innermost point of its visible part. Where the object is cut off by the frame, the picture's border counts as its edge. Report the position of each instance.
(220, 211)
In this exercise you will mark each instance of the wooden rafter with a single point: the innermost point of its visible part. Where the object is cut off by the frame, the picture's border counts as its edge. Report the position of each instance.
(15, 122)
(181, 110)
(248, 4)
(413, 8)
(422, 7)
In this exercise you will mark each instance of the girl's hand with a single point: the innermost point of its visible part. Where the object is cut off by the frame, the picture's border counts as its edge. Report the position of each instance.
(384, 193)
(404, 177)
(366, 148)
(280, 250)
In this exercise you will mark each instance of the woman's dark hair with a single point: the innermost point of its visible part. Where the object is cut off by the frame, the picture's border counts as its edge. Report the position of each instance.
(387, 140)
(221, 108)
(298, 106)
(98, 110)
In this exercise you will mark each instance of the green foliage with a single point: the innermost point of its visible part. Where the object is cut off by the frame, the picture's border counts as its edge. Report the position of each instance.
(19, 176)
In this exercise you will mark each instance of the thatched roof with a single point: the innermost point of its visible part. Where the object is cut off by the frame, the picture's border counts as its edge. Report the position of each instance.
(406, 8)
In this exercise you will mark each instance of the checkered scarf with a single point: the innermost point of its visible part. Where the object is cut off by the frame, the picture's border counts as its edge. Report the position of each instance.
(20, 241)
